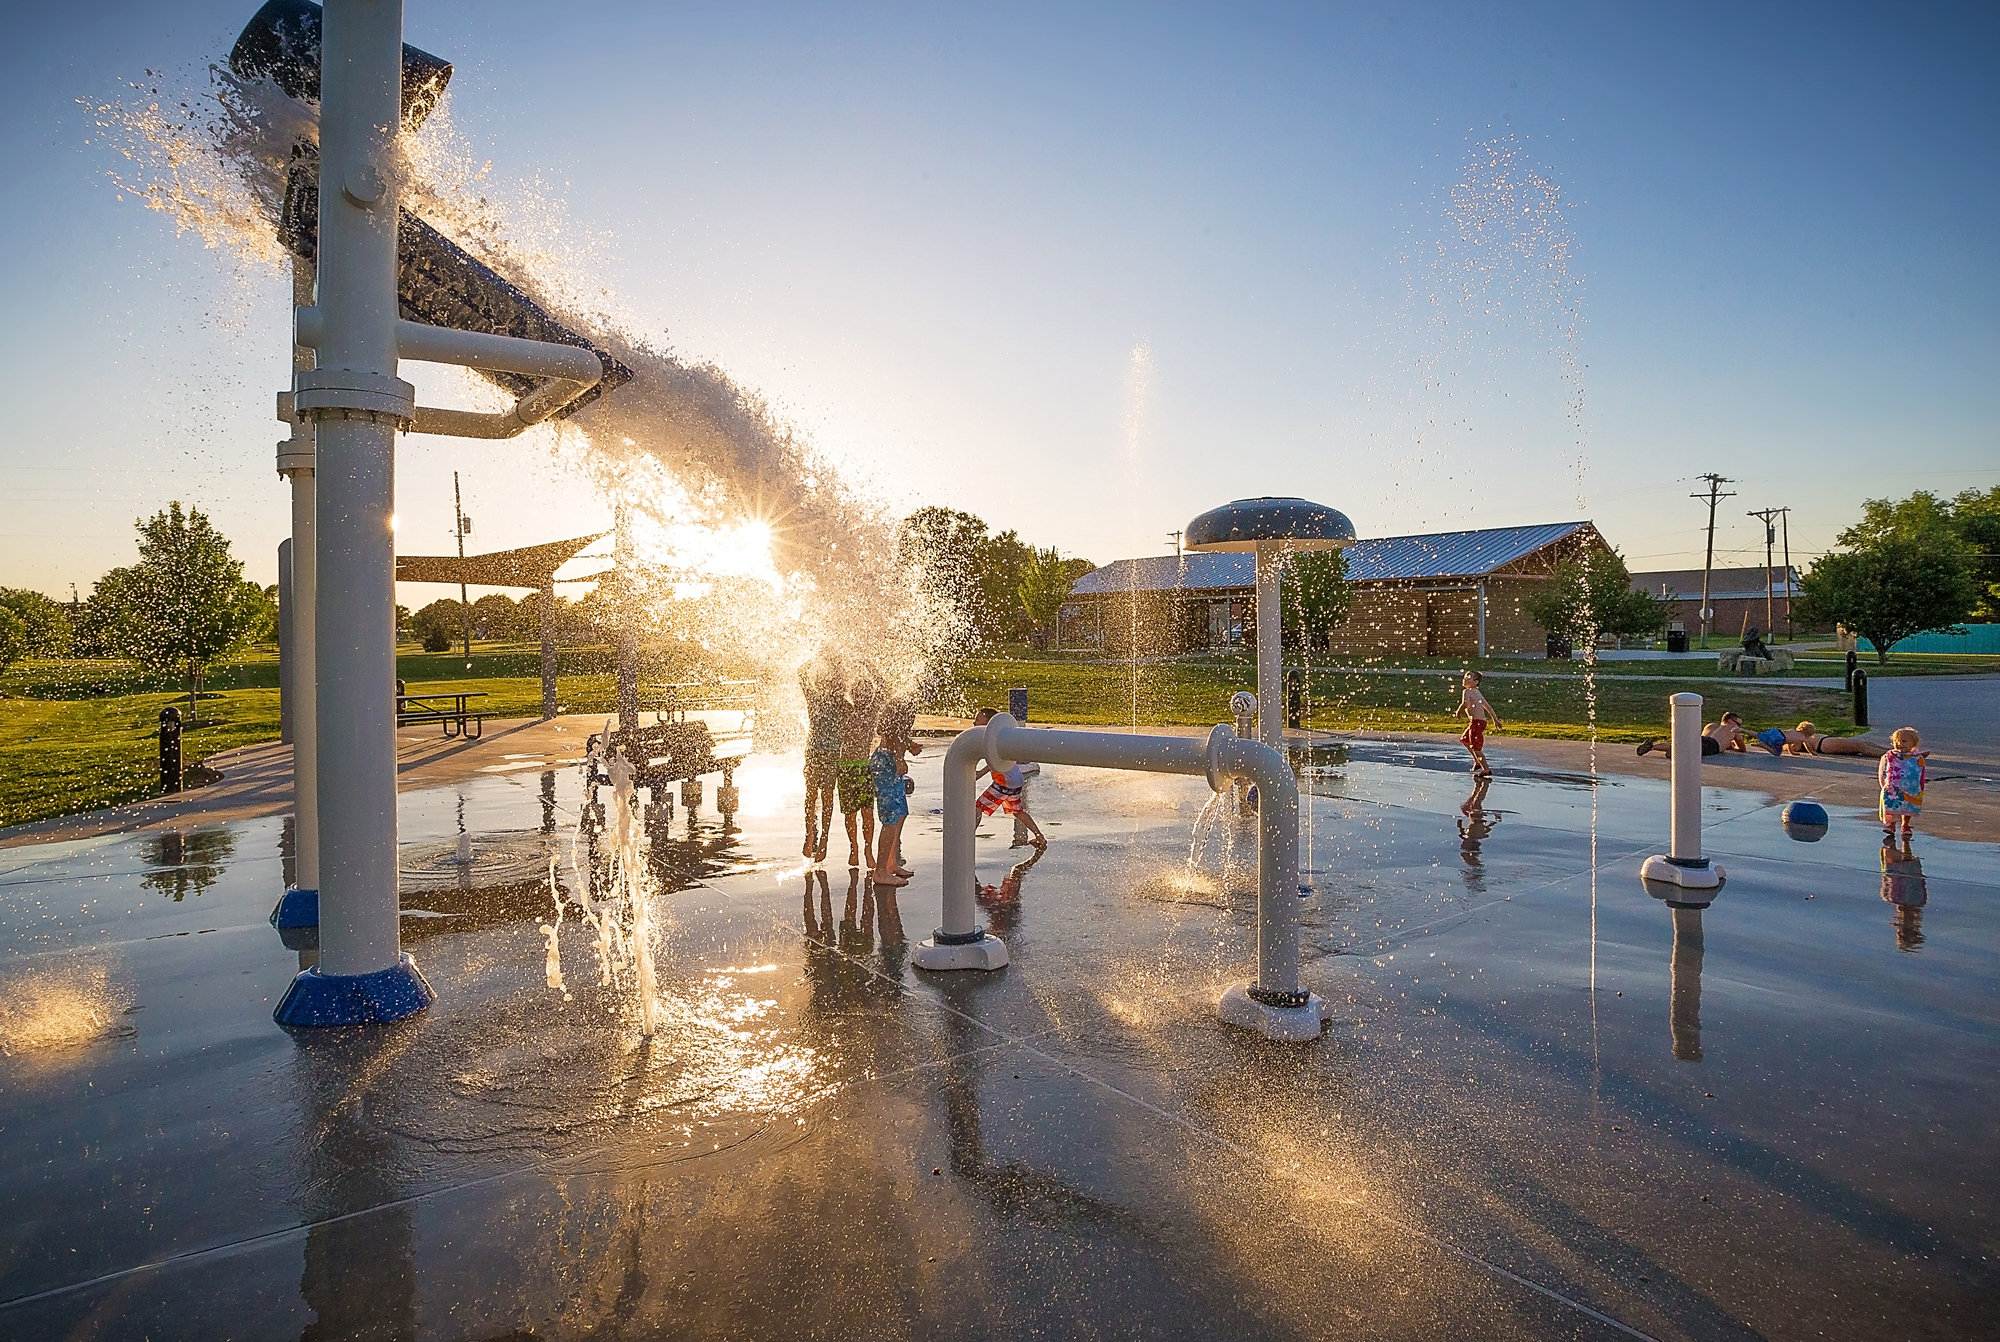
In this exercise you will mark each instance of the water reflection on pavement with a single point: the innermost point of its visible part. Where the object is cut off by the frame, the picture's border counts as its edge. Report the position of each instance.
(1533, 1114)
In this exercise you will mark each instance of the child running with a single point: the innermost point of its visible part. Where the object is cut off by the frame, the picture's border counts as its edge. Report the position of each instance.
(892, 807)
(1901, 774)
(1005, 794)
(1479, 715)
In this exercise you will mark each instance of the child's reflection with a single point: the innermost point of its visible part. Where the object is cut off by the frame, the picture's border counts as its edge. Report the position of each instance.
(1903, 887)
(1475, 823)
(1002, 902)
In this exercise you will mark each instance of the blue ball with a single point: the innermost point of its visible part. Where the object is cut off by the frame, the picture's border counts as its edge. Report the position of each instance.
(1805, 821)
(1805, 813)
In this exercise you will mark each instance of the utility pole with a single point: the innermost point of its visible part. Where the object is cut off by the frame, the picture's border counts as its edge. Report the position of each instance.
(1715, 483)
(1177, 540)
(462, 524)
(1770, 543)
(1785, 522)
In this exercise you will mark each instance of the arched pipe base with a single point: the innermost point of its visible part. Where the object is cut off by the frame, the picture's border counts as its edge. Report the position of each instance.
(941, 952)
(1291, 1024)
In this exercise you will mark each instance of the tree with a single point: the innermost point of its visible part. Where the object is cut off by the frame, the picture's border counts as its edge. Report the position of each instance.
(1886, 590)
(45, 625)
(13, 637)
(1976, 519)
(437, 625)
(258, 610)
(1314, 597)
(181, 606)
(943, 549)
(1046, 580)
(1592, 596)
(493, 616)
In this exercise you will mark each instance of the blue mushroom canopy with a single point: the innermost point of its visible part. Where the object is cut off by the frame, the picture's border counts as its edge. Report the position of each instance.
(1298, 524)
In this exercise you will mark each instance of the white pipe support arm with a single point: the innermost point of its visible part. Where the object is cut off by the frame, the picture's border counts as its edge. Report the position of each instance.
(568, 371)
(1221, 758)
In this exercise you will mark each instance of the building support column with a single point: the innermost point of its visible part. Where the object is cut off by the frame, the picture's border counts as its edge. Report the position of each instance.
(548, 604)
(1482, 617)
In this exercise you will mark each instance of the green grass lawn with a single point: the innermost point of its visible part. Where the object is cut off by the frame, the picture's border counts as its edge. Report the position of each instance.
(1197, 692)
(78, 735)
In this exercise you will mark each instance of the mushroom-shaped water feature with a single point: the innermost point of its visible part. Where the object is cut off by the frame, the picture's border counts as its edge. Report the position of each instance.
(1270, 528)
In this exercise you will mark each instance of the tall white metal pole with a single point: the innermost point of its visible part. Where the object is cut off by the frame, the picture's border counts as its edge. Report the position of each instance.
(359, 405)
(1685, 842)
(300, 906)
(1682, 864)
(1270, 647)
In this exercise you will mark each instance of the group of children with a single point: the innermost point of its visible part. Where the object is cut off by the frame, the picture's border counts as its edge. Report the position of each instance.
(859, 738)
(1899, 772)
(858, 741)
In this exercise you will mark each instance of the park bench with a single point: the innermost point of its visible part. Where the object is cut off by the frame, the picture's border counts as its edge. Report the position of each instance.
(451, 712)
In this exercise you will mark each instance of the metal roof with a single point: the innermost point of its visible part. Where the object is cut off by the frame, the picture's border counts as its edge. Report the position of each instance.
(1447, 554)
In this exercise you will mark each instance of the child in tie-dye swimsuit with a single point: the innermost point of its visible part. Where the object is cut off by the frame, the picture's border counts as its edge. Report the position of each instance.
(1901, 774)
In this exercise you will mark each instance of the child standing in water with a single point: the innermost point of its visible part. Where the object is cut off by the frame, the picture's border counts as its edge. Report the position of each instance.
(1479, 715)
(864, 706)
(886, 768)
(826, 712)
(1901, 774)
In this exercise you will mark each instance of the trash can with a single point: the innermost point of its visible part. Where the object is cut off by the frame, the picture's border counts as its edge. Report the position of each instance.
(1677, 640)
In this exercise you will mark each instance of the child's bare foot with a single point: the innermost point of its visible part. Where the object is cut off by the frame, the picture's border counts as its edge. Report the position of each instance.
(1040, 841)
(888, 878)
(902, 870)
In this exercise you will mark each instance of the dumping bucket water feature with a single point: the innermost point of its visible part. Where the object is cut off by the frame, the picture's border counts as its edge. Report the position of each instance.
(357, 405)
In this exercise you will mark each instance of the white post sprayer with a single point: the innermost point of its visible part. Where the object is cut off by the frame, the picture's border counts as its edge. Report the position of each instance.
(1682, 864)
(357, 405)
(1274, 1005)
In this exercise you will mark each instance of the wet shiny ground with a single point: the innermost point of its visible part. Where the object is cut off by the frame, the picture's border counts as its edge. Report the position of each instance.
(1547, 1105)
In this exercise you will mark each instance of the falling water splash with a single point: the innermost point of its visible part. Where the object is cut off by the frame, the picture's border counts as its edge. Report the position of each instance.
(1500, 273)
(753, 549)
(1138, 380)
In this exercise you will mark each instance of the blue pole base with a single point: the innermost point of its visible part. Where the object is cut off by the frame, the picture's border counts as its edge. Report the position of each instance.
(298, 908)
(317, 999)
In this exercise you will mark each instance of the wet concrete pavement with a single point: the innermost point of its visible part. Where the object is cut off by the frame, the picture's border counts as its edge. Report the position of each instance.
(1547, 1104)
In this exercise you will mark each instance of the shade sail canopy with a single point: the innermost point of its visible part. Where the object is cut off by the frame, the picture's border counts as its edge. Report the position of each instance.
(530, 566)
(1298, 524)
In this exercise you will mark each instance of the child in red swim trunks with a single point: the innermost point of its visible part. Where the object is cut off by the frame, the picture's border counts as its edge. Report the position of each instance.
(1006, 794)
(1479, 715)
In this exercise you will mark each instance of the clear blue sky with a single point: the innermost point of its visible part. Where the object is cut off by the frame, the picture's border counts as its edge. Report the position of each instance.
(934, 236)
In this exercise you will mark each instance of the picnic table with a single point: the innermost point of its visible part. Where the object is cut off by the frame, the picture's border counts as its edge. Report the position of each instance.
(452, 712)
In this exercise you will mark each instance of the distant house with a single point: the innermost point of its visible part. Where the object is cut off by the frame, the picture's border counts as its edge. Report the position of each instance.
(1453, 594)
(1736, 594)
